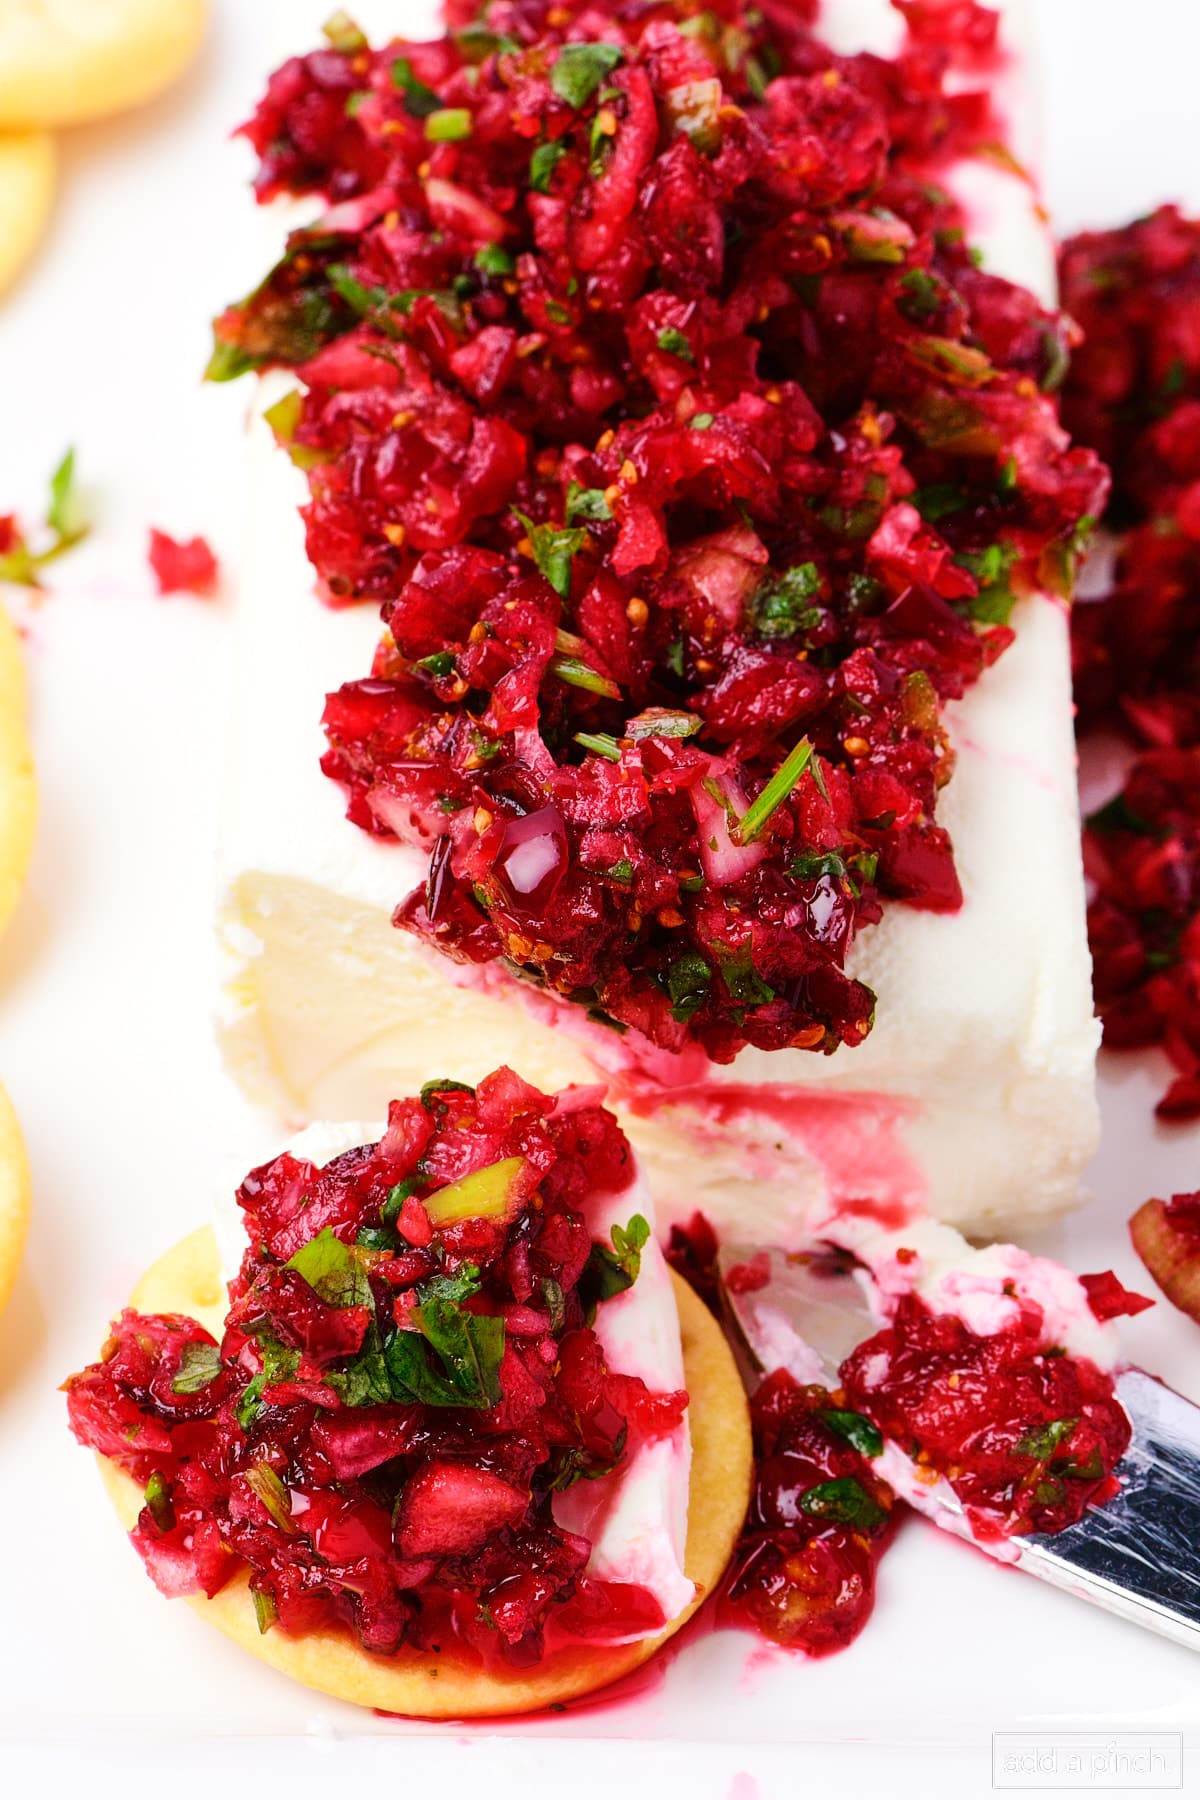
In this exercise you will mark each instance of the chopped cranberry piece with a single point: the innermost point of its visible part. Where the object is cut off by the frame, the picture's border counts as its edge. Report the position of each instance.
(182, 568)
(1108, 1299)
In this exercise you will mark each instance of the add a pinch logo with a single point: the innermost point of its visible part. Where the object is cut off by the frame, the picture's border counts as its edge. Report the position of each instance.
(1087, 1761)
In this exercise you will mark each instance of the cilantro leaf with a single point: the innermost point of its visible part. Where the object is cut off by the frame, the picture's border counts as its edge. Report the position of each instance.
(493, 259)
(688, 981)
(542, 165)
(332, 1270)
(553, 549)
(587, 503)
(581, 68)
(843, 1502)
(856, 1428)
(991, 568)
(784, 607)
(198, 1368)
(1043, 1440)
(419, 101)
(609, 1272)
(675, 343)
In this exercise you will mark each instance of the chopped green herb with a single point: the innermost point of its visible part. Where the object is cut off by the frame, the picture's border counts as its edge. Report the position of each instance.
(582, 675)
(469, 1346)
(587, 503)
(688, 981)
(265, 1610)
(198, 1368)
(494, 260)
(856, 1428)
(332, 1270)
(843, 1502)
(675, 343)
(600, 743)
(250, 1404)
(775, 792)
(542, 165)
(389, 1212)
(663, 722)
(444, 1085)
(939, 500)
(1058, 360)
(573, 1462)
(784, 607)
(271, 1491)
(581, 68)
(449, 124)
(439, 665)
(419, 101)
(158, 1499)
(1044, 1440)
(742, 979)
(991, 568)
(621, 871)
(922, 294)
(376, 303)
(553, 548)
(343, 34)
(610, 1272)
(476, 42)
(365, 1380)
(701, 421)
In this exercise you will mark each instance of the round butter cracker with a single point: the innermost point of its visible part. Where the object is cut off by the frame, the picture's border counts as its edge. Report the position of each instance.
(14, 1197)
(65, 62)
(419, 1684)
(28, 176)
(18, 789)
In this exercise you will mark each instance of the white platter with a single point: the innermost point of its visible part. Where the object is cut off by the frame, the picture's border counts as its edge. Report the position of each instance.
(105, 993)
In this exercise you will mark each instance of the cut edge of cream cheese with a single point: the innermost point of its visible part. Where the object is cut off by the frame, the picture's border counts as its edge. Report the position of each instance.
(974, 1094)
(637, 1523)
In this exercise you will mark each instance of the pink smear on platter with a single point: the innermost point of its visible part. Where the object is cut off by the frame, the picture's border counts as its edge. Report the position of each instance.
(743, 1786)
(856, 1140)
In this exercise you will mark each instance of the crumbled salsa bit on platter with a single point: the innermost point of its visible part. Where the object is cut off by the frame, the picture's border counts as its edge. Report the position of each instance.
(182, 566)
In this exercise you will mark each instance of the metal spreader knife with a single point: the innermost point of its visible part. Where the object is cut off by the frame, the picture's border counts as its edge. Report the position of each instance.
(1138, 1555)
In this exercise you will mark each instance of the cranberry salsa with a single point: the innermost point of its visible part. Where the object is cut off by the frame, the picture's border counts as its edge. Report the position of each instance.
(407, 1377)
(1134, 394)
(651, 390)
(1027, 1435)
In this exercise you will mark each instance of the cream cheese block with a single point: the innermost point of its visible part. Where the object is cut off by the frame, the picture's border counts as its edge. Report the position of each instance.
(637, 1522)
(973, 1096)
